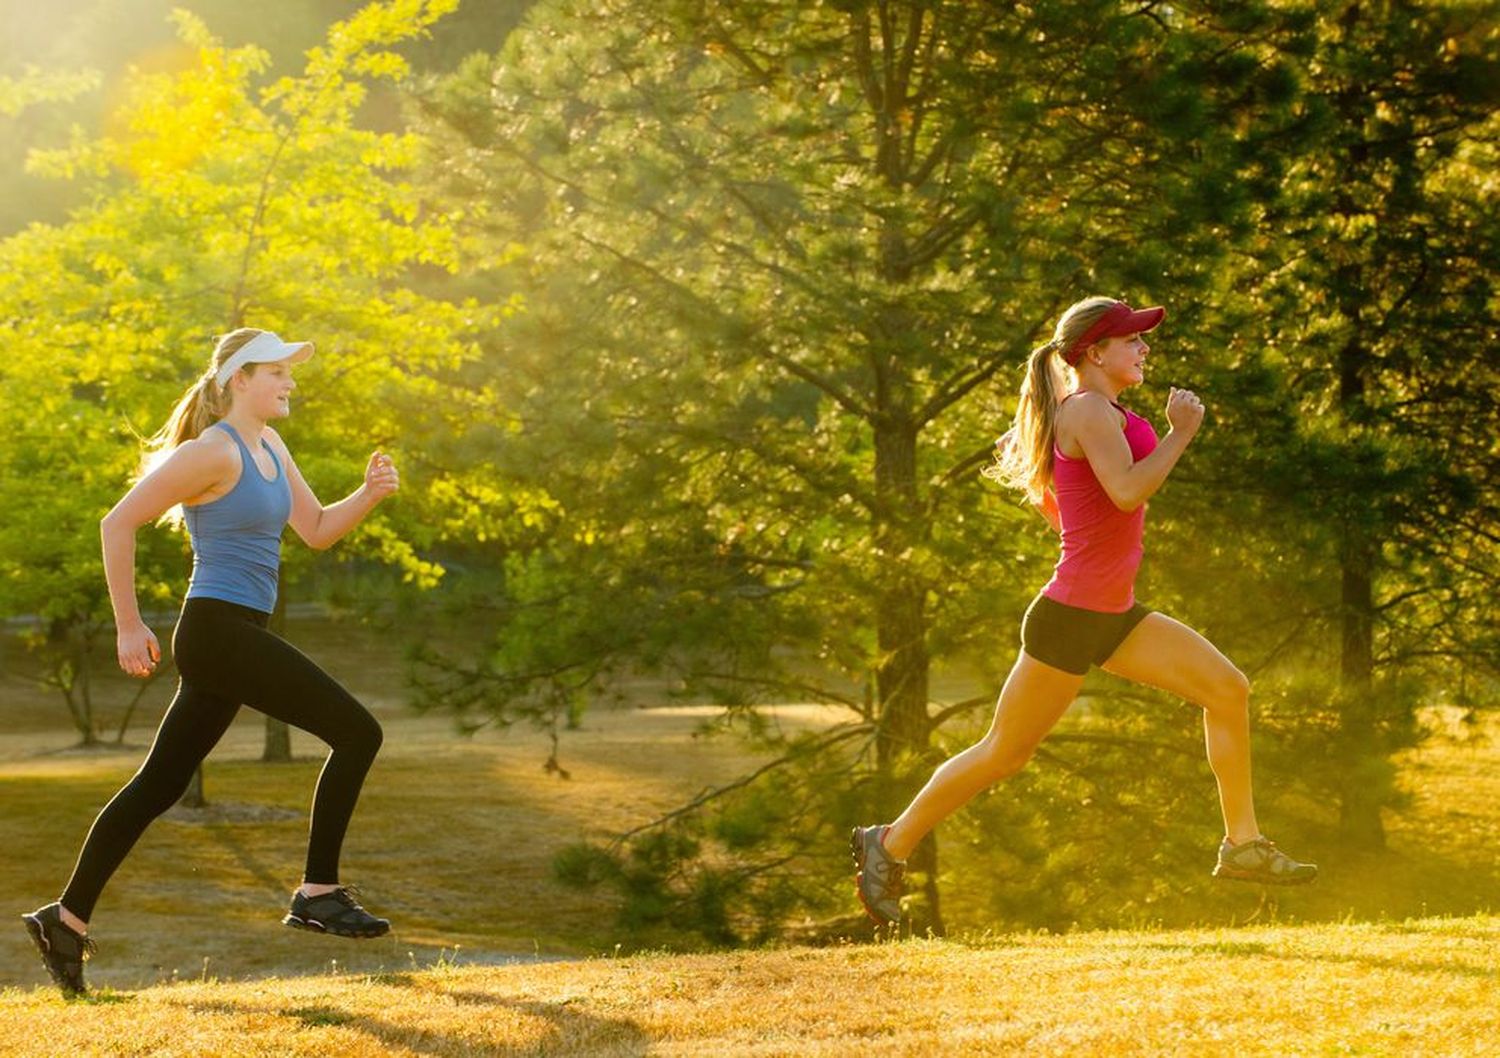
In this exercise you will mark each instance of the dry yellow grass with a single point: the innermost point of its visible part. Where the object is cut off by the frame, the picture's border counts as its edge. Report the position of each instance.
(455, 840)
(1423, 987)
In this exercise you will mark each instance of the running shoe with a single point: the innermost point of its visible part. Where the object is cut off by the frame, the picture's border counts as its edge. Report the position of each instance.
(1261, 861)
(879, 876)
(337, 913)
(64, 950)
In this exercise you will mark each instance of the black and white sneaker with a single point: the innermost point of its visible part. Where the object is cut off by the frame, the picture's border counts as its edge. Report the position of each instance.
(64, 950)
(337, 913)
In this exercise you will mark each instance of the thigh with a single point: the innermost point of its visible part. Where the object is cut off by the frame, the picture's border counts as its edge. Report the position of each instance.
(271, 675)
(1034, 699)
(1166, 653)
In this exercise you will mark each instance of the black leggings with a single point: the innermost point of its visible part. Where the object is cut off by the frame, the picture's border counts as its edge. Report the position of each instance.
(226, 657)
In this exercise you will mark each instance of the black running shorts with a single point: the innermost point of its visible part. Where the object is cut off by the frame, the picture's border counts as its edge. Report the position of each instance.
(1071, 638)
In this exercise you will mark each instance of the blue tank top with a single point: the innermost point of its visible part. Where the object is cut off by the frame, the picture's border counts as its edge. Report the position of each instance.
(237, 537)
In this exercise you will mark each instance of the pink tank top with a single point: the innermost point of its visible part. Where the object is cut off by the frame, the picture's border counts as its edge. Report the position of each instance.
(1101, 544)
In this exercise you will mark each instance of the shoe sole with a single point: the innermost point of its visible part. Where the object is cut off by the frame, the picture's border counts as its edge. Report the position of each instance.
(38, 934)
(857, 848)
(1229, 874)
(312, 925)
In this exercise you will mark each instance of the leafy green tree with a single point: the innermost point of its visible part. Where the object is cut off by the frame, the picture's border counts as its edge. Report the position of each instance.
(213, 202)
(783, 257)
(1366, 422)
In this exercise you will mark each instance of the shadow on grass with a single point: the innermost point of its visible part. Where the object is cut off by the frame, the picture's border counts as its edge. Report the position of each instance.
(572, 1030)
(101, 997)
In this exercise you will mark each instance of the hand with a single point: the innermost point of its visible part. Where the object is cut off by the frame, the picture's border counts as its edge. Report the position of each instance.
(137, 649)
(1184, 411)
(381, 478)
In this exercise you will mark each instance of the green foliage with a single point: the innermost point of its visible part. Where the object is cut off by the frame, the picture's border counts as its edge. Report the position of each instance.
(36, 85)
(215, 202)
(785, 262)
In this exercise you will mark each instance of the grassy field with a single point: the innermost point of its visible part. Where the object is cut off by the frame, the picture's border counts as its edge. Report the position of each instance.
(454, 840)
(1422, 987)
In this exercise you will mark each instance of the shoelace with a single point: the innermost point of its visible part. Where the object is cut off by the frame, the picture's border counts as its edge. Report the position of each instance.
(348, 896)
(1275, 860)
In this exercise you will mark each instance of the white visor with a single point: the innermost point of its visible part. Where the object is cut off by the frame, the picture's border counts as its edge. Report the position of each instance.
(264, 348)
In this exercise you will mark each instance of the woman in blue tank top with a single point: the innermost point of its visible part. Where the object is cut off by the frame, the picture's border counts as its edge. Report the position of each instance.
(218, 462)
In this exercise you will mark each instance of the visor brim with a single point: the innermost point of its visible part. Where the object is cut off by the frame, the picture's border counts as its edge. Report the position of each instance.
(1140, 321)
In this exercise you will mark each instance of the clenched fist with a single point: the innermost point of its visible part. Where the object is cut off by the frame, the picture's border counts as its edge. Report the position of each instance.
(381, 478)
(1184, 411)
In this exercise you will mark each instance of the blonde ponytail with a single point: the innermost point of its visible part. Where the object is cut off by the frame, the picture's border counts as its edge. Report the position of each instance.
(1025, 461)
(204, 403)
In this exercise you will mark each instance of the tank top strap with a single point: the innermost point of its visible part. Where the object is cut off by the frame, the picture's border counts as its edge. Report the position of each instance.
(232, 432)
(245, 451)
(275, 462)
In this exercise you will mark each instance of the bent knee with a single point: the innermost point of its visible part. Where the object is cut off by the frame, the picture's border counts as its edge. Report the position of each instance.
(1230, 693)
(1002, 761)
(363, 735)
(372, 737)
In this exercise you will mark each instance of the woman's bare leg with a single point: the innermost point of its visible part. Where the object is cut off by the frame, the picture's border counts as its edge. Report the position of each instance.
(1168, 654)
(1034, 698)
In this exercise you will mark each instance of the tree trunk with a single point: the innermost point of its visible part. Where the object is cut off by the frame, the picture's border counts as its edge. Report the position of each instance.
(278, 744)
(194, 798)
(900, 620)
(901, 672)
(1359, 802)
(71, 675)
(1359, 807)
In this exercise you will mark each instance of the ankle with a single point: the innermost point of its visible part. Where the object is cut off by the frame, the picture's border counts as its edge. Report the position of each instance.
(72, 921)
(885, 843)
(312, 889)
(1243, 839)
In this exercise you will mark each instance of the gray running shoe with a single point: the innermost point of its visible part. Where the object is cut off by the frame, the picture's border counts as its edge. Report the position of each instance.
(63, 950)
(1261, 861)
(337, 913)
(880, 876)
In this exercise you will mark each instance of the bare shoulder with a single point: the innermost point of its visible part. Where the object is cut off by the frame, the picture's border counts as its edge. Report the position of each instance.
(1086, 409)
(211, 448)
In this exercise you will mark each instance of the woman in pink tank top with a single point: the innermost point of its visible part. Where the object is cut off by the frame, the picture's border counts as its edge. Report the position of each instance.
(1089, 465)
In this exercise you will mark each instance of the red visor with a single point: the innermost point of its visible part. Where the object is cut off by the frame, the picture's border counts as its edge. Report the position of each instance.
(1118, 320)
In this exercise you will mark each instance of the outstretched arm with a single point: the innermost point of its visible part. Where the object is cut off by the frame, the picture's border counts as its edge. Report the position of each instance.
(321, 527)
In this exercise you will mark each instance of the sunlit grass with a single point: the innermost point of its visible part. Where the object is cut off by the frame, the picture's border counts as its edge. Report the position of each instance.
(1414, 987)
